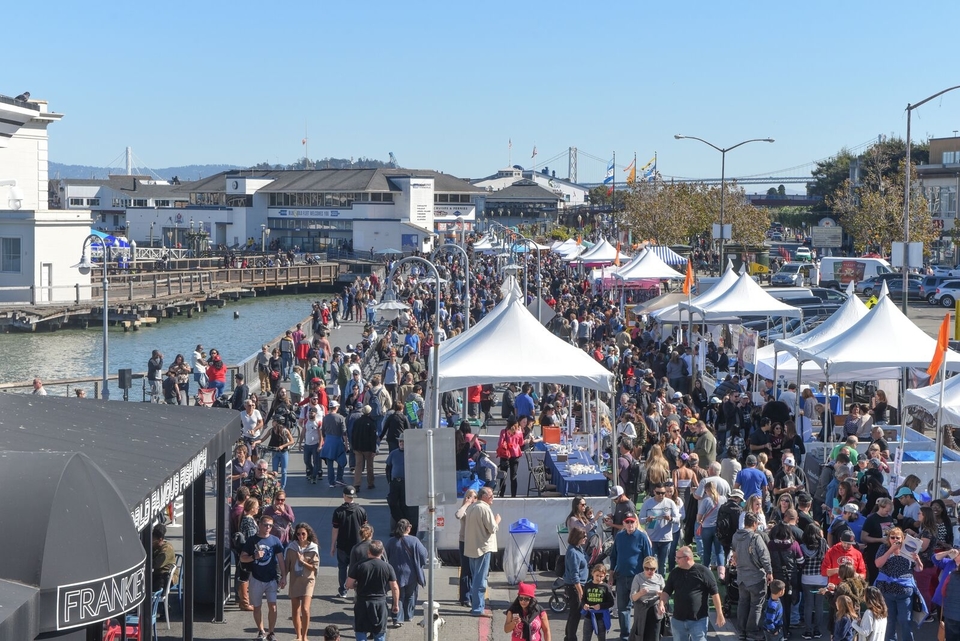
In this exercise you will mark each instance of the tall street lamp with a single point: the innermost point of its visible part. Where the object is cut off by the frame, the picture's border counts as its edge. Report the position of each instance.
(263, 238)
(84, 267)
(906, 201)
(723, 175)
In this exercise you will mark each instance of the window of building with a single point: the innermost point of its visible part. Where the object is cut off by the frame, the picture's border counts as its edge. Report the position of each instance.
(139, 202)
(162, 203)
(10, 255)
(444, 198)
(93, 202)
(76, 202)
(949, 157)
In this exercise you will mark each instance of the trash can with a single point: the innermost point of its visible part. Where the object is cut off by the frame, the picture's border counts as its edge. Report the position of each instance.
(204, 573)
(516, 558)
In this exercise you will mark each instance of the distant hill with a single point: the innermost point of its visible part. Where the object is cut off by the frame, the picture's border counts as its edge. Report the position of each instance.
(187, 172)
(196, 172)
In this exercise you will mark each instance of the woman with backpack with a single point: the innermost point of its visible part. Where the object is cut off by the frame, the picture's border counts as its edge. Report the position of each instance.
(786, 558)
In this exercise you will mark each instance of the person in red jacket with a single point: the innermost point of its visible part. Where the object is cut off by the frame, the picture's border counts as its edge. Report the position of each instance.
(845, 551)
(473, 401)
(216, 373)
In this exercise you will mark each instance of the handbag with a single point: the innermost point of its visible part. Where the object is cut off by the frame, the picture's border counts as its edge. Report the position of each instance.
(700, 525)
(274, 375)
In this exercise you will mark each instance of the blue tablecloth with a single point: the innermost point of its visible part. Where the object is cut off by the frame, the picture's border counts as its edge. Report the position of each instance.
(918, 455)
(567, 485)
(836, 405)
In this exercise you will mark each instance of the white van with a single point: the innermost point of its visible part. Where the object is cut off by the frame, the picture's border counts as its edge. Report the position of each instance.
(837, 271)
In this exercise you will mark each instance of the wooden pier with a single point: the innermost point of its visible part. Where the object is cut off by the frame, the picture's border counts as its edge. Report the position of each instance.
(140, 299)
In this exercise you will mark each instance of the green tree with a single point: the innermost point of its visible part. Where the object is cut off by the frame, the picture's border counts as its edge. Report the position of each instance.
(782, 191)
(872, 213)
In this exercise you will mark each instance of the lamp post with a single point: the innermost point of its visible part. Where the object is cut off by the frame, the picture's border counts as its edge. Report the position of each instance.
(152, 223)
(435, 410)
(529, 242)
(84, 267)
(263, 238)
(266, 234)
(466, 294)
(723, 175)
(906, 202)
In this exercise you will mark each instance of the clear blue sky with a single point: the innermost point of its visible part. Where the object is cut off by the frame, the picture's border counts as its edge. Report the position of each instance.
(446, 85)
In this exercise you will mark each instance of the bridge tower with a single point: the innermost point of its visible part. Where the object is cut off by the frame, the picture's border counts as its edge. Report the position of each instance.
(572, 164)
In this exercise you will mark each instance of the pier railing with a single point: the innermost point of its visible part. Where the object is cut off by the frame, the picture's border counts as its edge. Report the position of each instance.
(156, 285)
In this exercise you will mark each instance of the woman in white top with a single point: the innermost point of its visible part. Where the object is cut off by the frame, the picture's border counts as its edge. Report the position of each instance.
(647, 606)
(754, 505)
(873, 623)
(251, 427)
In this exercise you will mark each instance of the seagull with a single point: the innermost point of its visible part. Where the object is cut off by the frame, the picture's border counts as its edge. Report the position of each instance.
(25, 96)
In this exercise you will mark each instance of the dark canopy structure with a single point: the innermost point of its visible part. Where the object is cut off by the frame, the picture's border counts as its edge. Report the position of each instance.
(85, 479)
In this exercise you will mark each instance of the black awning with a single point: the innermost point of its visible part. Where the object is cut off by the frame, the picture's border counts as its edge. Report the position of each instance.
(76, 541)
(151, 452)
(20, 613)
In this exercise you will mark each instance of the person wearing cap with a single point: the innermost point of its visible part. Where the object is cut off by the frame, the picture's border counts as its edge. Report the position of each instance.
(526, 619)
(622, 507)
(630, 547)
(751, 480)
(844, 552)
(909, 518)
(849, 519)
(728, 520)
(479, 544)
(345, 533)
(333, 430)
(789, 479)
(754, 573)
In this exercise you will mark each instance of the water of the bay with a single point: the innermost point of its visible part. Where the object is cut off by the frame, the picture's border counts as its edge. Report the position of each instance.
(76, 353)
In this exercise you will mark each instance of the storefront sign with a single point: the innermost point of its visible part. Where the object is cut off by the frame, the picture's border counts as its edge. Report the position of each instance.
(166, 492)
(465, 211)
(88, 602)
(308, 213)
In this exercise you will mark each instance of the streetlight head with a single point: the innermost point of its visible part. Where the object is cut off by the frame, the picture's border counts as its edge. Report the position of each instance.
(679, 136)
(83, 266)
(768, 140)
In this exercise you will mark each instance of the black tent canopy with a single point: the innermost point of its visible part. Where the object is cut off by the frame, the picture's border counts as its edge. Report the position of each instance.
(81, 478)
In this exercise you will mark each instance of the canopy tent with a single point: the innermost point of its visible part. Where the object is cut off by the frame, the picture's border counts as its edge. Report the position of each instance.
(113, 241)
(522, 248)
(884, 338)
(510, 344)
(660, 302)
(667, 255)
(780, 356)
(744, 298)
(648, 265)
(929, 399)
(603, 253)
(485, 244)
(671, 314)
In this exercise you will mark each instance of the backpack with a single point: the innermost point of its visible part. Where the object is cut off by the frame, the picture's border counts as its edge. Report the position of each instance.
(239, 540)
(728, 522)
(634, 479)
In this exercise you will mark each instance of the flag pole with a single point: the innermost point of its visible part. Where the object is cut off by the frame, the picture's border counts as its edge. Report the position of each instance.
(938, 456)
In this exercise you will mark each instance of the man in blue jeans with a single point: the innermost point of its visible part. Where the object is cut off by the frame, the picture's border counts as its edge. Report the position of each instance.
(659, 514)
(691, 584)
(630, 547)
(479, 543)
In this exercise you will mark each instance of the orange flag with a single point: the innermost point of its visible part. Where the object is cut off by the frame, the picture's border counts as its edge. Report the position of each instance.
(688, 281)
(616, 261)
(943, 339)
(579, 240)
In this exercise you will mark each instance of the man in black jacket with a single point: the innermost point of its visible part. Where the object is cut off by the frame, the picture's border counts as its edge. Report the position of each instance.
(240, 393)
(364, 443)
(728, 520)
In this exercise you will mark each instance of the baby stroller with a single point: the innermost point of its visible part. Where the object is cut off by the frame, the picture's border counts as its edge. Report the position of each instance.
(732, 597)
(558, 592)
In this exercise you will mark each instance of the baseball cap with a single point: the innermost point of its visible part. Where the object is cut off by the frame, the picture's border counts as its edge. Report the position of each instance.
(751, 460)
(616, 492)
(736, 493)
(630, 517)
(691, 421)
(874, 462)
(334, 403)
(851, 508)
(715, 400)
(789, 461)
(677, 395)
(848, 536)
(349, 490)
(400, 438)
(905, 491)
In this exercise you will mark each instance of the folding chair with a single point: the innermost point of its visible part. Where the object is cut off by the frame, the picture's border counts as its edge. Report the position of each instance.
(174, 588)
(206, 396)
(134, 620)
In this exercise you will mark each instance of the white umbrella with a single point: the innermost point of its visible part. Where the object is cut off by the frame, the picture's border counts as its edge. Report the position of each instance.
(389, 250)
(390, 305)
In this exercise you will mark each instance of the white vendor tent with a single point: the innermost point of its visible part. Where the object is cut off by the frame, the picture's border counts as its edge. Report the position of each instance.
(744, 298)
(785, 362)
(671, 314)
(647, 265)
(929, 399)
(510, 344)
(671, 299)
(884, 338)
(601, 253)
(667, 255)
(484, 244)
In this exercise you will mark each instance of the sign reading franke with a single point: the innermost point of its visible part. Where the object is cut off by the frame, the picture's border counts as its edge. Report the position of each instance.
(171, 488)
(88, 602)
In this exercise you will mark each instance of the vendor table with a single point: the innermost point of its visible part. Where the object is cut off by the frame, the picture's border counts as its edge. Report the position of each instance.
(569, 484)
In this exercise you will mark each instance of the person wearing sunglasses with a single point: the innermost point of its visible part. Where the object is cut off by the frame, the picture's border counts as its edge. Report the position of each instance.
(647, 608)
(526, 618)
(659, 513)
(302, 559)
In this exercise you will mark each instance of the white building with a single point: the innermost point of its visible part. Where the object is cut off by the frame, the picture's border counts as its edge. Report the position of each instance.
(311, 209)
(38, 246)
(570, 194)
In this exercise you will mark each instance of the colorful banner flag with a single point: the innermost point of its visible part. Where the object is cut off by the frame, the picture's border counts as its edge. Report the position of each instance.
(534, 152)
(649, 170)
(608, 179)
(616, 261)
(632, 168)
(688, 281)
(943, 340)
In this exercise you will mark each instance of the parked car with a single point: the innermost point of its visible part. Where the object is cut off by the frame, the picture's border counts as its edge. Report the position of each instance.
(947, 293)
(870, 286)
(792, 274)
(915, 284)
(930, 284)
(828, 295)
(803, 253)
(946, 271)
